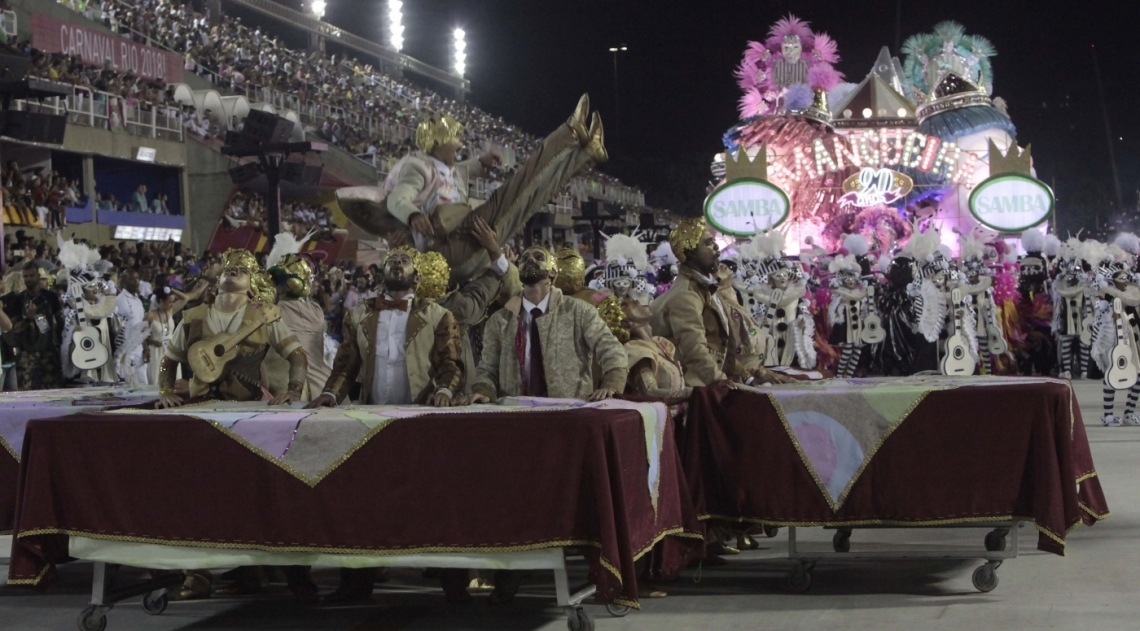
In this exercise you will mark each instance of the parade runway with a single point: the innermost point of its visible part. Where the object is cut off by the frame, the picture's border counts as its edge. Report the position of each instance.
(1093, 586)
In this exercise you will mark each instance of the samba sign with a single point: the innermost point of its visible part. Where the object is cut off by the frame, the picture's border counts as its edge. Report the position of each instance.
(1011, 202)
(746, 206)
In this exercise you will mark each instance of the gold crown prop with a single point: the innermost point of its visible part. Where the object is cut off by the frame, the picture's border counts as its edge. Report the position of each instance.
(1016, 160)
(740, 166)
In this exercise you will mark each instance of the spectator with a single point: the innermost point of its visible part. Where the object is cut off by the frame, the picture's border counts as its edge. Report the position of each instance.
(138, 200)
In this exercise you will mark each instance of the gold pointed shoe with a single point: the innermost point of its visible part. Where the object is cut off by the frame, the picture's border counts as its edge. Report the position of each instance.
(596, 148)
(577, 120)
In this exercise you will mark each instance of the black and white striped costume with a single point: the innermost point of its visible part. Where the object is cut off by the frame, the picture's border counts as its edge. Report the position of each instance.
(1105, 339)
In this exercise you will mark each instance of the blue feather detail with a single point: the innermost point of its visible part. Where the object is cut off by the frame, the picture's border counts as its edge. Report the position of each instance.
(954, 124)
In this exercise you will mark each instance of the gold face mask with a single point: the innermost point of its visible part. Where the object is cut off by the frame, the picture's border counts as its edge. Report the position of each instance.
(571, 271)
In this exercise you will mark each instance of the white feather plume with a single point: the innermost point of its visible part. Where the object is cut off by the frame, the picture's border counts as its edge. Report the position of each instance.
(971, 248)
(1033, 240)
(1072, 249)
(625, 249)
(74, 255)
(1128, 242)
(885, 262)
(766, 245)
(283, 245)
(844, 262)
(664, 254)
(1093, 252)
(856, 244)
(922, 245)
(1052, 246)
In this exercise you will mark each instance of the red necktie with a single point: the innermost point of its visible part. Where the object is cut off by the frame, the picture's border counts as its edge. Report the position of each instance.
(536, 380)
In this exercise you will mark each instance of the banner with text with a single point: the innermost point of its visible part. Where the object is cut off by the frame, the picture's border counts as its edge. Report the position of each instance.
(51, 35)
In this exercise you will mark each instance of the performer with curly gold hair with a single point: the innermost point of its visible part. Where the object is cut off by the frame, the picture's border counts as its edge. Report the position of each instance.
(294, 274)
(425, 200)
(715, 337)
(244, 305)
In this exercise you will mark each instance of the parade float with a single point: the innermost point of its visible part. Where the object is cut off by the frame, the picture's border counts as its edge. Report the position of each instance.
(917, 142)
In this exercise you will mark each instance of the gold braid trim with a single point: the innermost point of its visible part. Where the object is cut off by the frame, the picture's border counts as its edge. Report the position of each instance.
(30, 581)
(1083, 506)
(8, 448)
(835, 505)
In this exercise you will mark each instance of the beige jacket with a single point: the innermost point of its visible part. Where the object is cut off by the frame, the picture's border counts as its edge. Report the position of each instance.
(431, 345)
(572, 335)
(712, 345)
(414, 184)
(469, 306)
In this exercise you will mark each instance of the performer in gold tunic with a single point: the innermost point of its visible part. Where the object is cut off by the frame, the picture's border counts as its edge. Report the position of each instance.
(294, 274)
(425, 199)
(245, 298)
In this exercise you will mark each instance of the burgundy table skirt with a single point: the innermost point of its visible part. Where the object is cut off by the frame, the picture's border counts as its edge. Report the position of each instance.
(487, 482)
(971, 454)
(9, 473)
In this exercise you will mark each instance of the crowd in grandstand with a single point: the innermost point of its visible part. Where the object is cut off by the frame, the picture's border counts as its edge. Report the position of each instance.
(297, 217)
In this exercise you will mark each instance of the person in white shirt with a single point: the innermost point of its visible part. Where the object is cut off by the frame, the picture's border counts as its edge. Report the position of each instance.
(133, 354)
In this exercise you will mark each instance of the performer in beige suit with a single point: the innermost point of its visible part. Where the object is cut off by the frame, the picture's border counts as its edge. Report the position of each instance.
(426, 201)
(294, 275)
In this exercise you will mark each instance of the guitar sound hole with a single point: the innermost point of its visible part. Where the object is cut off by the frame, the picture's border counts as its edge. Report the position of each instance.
(958, 354)
(219, 350)
(87, 344)
(1122, 363)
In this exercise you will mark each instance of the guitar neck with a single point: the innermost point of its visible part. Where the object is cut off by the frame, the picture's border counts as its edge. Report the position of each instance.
(242, 333)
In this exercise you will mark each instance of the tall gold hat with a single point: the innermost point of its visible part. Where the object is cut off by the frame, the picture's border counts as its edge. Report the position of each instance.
(259, 282)
(437, 130)
(571, 270)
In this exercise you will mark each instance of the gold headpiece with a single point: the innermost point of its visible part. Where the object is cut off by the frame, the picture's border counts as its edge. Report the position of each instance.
(403, 249)
(434, 274)
(437, 130)
(300, 272)
(571, 270)
(613, 315)
(687, 236)
(259, 282)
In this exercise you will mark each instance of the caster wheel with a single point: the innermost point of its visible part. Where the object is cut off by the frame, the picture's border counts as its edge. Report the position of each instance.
(995, 541)
(771, 531)
(579, 620)
(155, 602)
(617, 611)
(91, 620)
(985, 578)
(841, 542)
(799, 580)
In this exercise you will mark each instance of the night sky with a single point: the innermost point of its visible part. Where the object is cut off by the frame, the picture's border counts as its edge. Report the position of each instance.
(528, 60)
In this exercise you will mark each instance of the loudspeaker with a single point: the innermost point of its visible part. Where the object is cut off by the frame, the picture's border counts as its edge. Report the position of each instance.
(301, 173)
(262, 128)
(244, 173)
(35, 127)
(13, 68)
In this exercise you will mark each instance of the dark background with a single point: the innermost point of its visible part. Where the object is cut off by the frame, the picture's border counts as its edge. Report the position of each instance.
(529, 60)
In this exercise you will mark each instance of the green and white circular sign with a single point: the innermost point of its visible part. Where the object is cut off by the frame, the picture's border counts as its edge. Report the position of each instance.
(747, 206)
(1011, 202)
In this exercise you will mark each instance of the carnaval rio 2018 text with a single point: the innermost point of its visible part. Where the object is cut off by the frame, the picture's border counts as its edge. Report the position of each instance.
(879, 148)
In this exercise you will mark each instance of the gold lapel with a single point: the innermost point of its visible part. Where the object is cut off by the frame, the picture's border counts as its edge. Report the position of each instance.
(416, 320)
(368, 326)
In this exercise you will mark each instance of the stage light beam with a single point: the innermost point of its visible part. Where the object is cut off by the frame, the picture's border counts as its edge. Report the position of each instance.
(396, 24)
(460, 46)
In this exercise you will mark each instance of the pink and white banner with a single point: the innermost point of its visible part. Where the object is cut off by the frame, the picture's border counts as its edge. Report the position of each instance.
(96, 47)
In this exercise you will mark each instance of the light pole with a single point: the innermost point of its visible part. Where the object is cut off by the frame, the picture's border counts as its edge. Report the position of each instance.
(617, 114)
(460, 48)
(319, 7)
(396, 24)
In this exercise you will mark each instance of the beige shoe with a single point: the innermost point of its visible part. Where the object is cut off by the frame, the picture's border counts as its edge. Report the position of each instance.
(577, 120)
(596, 148)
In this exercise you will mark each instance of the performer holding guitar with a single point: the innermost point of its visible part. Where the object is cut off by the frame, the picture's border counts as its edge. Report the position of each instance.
(226, 342)
(1115, 335)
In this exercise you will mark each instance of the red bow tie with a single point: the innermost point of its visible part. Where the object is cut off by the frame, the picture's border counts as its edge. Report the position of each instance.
(382, 304)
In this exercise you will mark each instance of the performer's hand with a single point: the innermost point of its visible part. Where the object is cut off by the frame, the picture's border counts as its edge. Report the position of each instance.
(602, 394)
(168, 401)
(323, 401)
(487, 237)
(764, 375)
(31, 309)
(421, 224)
(727, 383)
(440, 400)
(476, 398)
(285, 398)
(490, 159)
(146, 355)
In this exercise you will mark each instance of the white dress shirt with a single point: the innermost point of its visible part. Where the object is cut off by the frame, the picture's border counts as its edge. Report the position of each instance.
(390, 378)
(528, 306)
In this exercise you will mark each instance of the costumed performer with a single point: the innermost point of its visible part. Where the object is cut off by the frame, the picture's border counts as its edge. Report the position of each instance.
(847, 312)
(1035, 303)
(425, 200)
(1073, 309)
(294, 275)
(976, 281)
(89, 313)
(1115, 281)
(133, 355)
(781, 306)
(715, 337)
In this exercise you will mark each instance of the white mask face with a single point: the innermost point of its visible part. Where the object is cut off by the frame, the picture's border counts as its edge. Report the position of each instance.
(792, 48)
